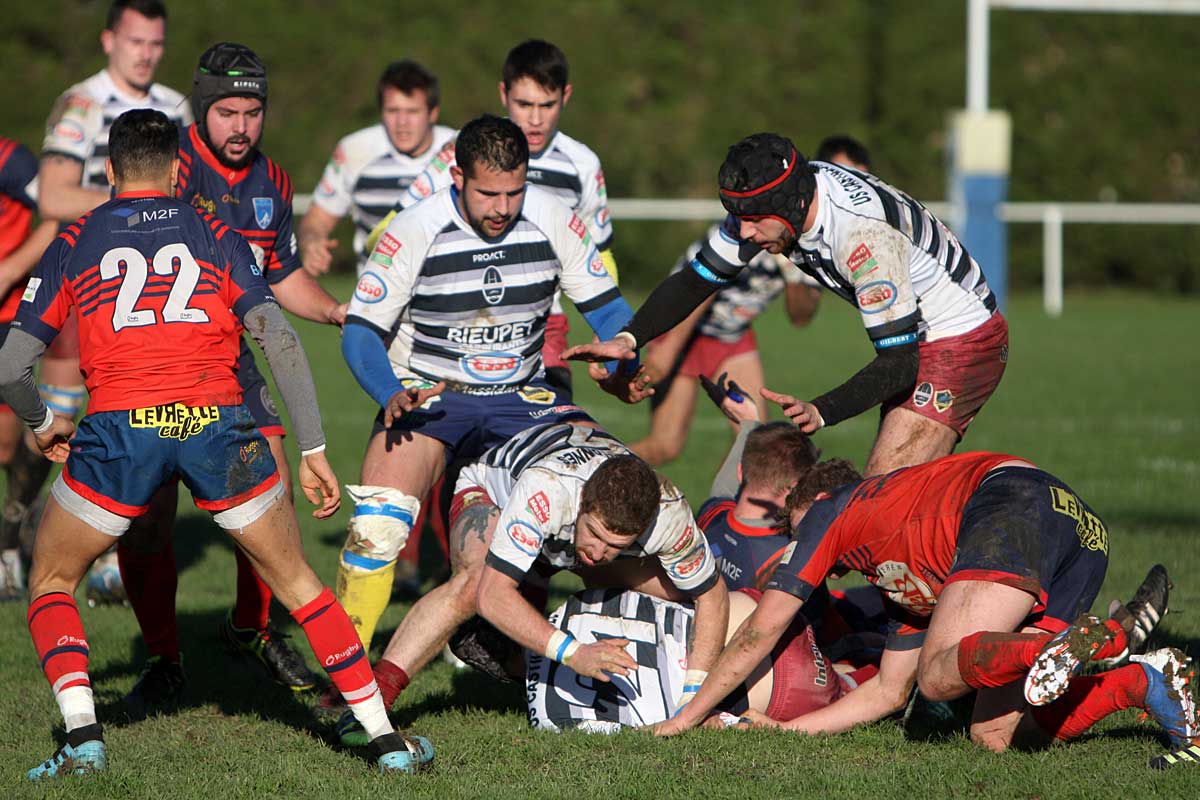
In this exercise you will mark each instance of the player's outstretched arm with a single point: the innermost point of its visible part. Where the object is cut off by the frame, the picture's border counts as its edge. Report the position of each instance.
(320, 484)
(316, 248)
(17, 388)
(709, 629)
(752, 643)
(300, 294)
(500, 603)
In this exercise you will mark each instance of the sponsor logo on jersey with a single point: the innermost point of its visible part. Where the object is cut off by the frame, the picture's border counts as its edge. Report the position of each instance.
(545, 412)
(578, 456)
(229, 199)
(493, 282)
(787, 553)
(533, 175)
(942, 400)
(602, 216)
(596, 265)
(385, 249)
(684, 539)
(692, 564)
(264, 209)
(537, 395)
(202, 202)
(539, 506)
(526, 537)
(876, 297)
(1090, 530)
(487, 258)
(339, 158)
(174, 420)
(70, 130)
(422, 187)
(861, 262)
(923, 394)
(490, 334)
(601, 186)
(249, 453)
(492, 367)
(892, 341)
(266, 401)
(370, 288)
(577, 227)
(31, 290)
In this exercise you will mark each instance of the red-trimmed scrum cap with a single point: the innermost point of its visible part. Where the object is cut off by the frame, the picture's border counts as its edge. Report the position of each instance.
(765, 177)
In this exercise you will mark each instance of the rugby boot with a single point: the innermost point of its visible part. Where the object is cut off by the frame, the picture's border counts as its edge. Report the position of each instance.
(158, 689)
(398, 752)
(1141, 615)
(1184, 755)
(104, 586)
(285, 666)
(83, 754)
(350, 733)
(1063, 658)
(1169, 674)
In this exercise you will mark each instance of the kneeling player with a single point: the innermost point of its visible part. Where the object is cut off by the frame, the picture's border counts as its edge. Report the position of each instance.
(984, 558)
(795, 679)
(165, 401)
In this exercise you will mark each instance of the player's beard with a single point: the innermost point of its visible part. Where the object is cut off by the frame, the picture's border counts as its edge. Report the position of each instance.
(235, 163)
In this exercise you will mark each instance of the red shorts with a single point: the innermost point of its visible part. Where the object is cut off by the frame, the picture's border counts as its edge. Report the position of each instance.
(66, 344)
(958, 374)
(705, 354)
(557, 327)
(804, 679)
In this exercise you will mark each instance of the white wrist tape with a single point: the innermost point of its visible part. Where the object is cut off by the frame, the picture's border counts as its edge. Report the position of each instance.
(46, 422)
(692, 680)
(629, 337)
(318, 449)
(561, 647)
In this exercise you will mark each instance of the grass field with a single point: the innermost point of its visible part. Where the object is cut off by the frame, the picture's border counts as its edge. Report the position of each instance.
(1105, 397)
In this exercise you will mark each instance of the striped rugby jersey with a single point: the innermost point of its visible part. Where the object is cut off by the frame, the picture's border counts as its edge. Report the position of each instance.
(658, 632)
(537, 478)
(18, 202)
(453, 306)
(79, 122)
(367, 176)
(876, 247)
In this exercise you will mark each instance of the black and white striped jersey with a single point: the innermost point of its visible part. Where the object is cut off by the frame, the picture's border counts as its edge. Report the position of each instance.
(79, 122)
(879, 249)
(537, 479)
(367, 176)
(657, 630)
(456, 307)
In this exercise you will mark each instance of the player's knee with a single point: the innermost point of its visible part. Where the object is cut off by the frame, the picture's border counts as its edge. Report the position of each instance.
(933, 688)
(66, 401)
(382, 521)
(464, 591)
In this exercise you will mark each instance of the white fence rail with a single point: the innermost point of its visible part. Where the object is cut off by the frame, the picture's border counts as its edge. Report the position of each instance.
(1052, 217)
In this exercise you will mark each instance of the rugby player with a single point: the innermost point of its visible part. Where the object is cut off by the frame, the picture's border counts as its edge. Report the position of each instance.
(372, 168)
(984, 559)
(718, 338)
(941, 344)
(223, 173)
(163, 293)
(445, 333)
(844, 151)
(71, 182)
(21, 245)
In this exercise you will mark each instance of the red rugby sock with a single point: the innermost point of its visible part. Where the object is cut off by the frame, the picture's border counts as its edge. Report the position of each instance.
(989, 659)
(150, 582)
(62, 649)
(392, 681)
(1091, 698)
(337, 647)
(252, 608)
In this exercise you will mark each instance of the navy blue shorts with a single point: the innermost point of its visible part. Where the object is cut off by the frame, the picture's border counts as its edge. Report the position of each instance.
(1025, 528)
(119, 459)
(256, 395)
(469, 424)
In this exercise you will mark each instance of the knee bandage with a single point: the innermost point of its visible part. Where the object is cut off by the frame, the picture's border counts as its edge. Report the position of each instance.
(383, 518)
(66, 401)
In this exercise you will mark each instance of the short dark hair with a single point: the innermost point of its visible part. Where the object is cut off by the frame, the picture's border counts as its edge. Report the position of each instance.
(496, 142)
(539, 60)
(840, 143)
(150, 9)
(408, 76)
(624, 492)
(820, 478)
(142, 144)
(776, 456)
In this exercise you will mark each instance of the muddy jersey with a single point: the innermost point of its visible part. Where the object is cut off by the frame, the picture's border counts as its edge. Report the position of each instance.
(79, 122)
(457, 307)
(900, 530)
(658, 632)
(746, 554)
(256, 201)
(876, 247)
(367, 176)
(160, 292)
(18, 202)
(537, 478)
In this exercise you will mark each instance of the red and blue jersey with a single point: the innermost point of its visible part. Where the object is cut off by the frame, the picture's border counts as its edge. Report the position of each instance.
(900, 530)
(160, 292)
(18, 169)
(746, 554)
(256, 201)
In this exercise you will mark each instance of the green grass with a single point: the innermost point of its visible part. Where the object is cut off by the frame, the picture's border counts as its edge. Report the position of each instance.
(1104, 397)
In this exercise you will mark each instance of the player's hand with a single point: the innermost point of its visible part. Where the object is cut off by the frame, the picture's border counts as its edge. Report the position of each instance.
(407, 400)
(757, 719)
(55, 442)
(320, 485)
(317, 256)
(803, 414)
(671, 727)
(629, 388)
(617, 349)
(599, 659)
(730, 398)
(337, 314)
